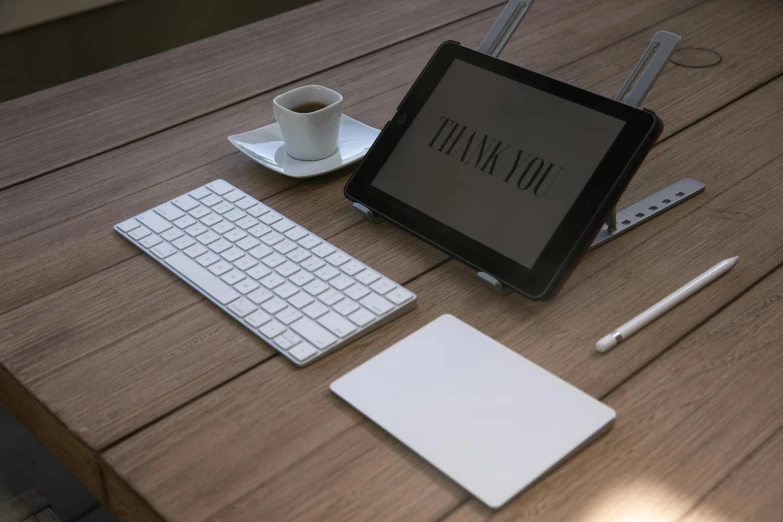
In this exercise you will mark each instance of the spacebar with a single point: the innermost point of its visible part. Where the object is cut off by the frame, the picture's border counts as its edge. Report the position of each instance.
(202, 278)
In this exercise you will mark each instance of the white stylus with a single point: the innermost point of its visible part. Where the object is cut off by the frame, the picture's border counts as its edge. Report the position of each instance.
(664, 305)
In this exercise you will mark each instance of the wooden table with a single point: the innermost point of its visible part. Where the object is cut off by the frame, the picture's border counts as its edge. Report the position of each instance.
(168, 410)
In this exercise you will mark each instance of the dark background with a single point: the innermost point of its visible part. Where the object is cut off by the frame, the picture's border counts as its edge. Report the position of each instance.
(48, 53)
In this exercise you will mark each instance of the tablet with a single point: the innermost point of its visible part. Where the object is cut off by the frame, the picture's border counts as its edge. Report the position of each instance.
(508, 170)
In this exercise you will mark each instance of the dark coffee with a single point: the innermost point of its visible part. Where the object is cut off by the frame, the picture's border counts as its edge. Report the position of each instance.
(309, 107)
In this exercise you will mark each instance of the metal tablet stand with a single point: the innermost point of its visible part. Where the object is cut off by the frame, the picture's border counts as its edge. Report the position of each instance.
(633, 92)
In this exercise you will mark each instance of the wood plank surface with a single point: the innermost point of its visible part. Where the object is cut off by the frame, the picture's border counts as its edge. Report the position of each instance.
(32, 361)
(753, 491)
(86, 117)
(683, 424)
(276, 402)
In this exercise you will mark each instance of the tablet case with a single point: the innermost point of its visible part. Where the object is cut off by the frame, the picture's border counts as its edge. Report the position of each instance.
(490, 419)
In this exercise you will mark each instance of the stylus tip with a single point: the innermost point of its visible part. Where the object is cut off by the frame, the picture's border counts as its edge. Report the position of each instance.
(605, 344)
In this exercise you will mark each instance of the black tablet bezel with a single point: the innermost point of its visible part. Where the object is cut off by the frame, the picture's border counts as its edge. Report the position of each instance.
(581, 223)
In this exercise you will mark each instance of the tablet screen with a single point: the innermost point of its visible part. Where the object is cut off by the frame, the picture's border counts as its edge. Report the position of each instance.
(497, 160)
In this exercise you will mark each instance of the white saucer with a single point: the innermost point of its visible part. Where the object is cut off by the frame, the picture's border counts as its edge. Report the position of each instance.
(265, 146)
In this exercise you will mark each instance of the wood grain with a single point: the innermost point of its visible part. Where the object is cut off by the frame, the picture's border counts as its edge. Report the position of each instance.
(142, 98)
(753, 491)
(298, 402)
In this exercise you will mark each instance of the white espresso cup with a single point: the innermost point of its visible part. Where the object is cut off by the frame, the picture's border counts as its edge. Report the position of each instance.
(309, 135)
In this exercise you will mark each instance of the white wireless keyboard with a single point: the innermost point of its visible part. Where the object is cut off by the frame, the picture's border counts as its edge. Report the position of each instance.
(297, 292)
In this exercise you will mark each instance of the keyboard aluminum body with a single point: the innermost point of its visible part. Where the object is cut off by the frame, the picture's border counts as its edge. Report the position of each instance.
(293, 289)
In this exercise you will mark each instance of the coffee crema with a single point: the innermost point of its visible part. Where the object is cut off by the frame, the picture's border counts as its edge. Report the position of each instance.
(309, 107)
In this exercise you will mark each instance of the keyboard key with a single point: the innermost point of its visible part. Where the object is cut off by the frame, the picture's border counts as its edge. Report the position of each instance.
(313, 332)
(367, 276)
(200, 193)
(346, 307)
(260, 230)
(299, 255)
(302, 351)
(274, 305)
(296, 233)
(172, 234)
(336, 324)
(235, 235)
(163, 250)
(183, 242)
(234, 195)
(207, 259)
(185, 202)
(315, 287)
(199, 276)
(341, 282)
(310, 241)
(272, 280)
(284, 225)
(300, 300)
(151, 241)
(169, 211)
(259, 210)
(258, 318)
(233, 254)
(286, 290)
(199, 212)
(352, 267)
(270, 217)
(272, 238)
(301, 278)
(246, 203)
(220, 246)
(285, 246)
(330, 297)
(399, 295)
(127, 226)
(211, 219)
(338, 258)
(260, 295)
(292, 337)
(282, 342)
(357, 291)
(312, 264)
(154, 222)
(140, 232)
(289, 315)
(234, 214)
(377, 304)
(233, 277)
(223, 227)
(196, 230)
(185, 221)
(362, 317)
(323, 250)
(245, 263)
(211, 200)
(260, 251)
(258, 271)
(196, 250)
(383, 285)
(245, 286)
(327, 272)
(246, 222)
(273, 260)
(248, 243)
(220, 267)
(208, 237)
(242, 307)
(223, 207)
(219, 187)
(287, 268)
(272, 329)
(316, 310)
